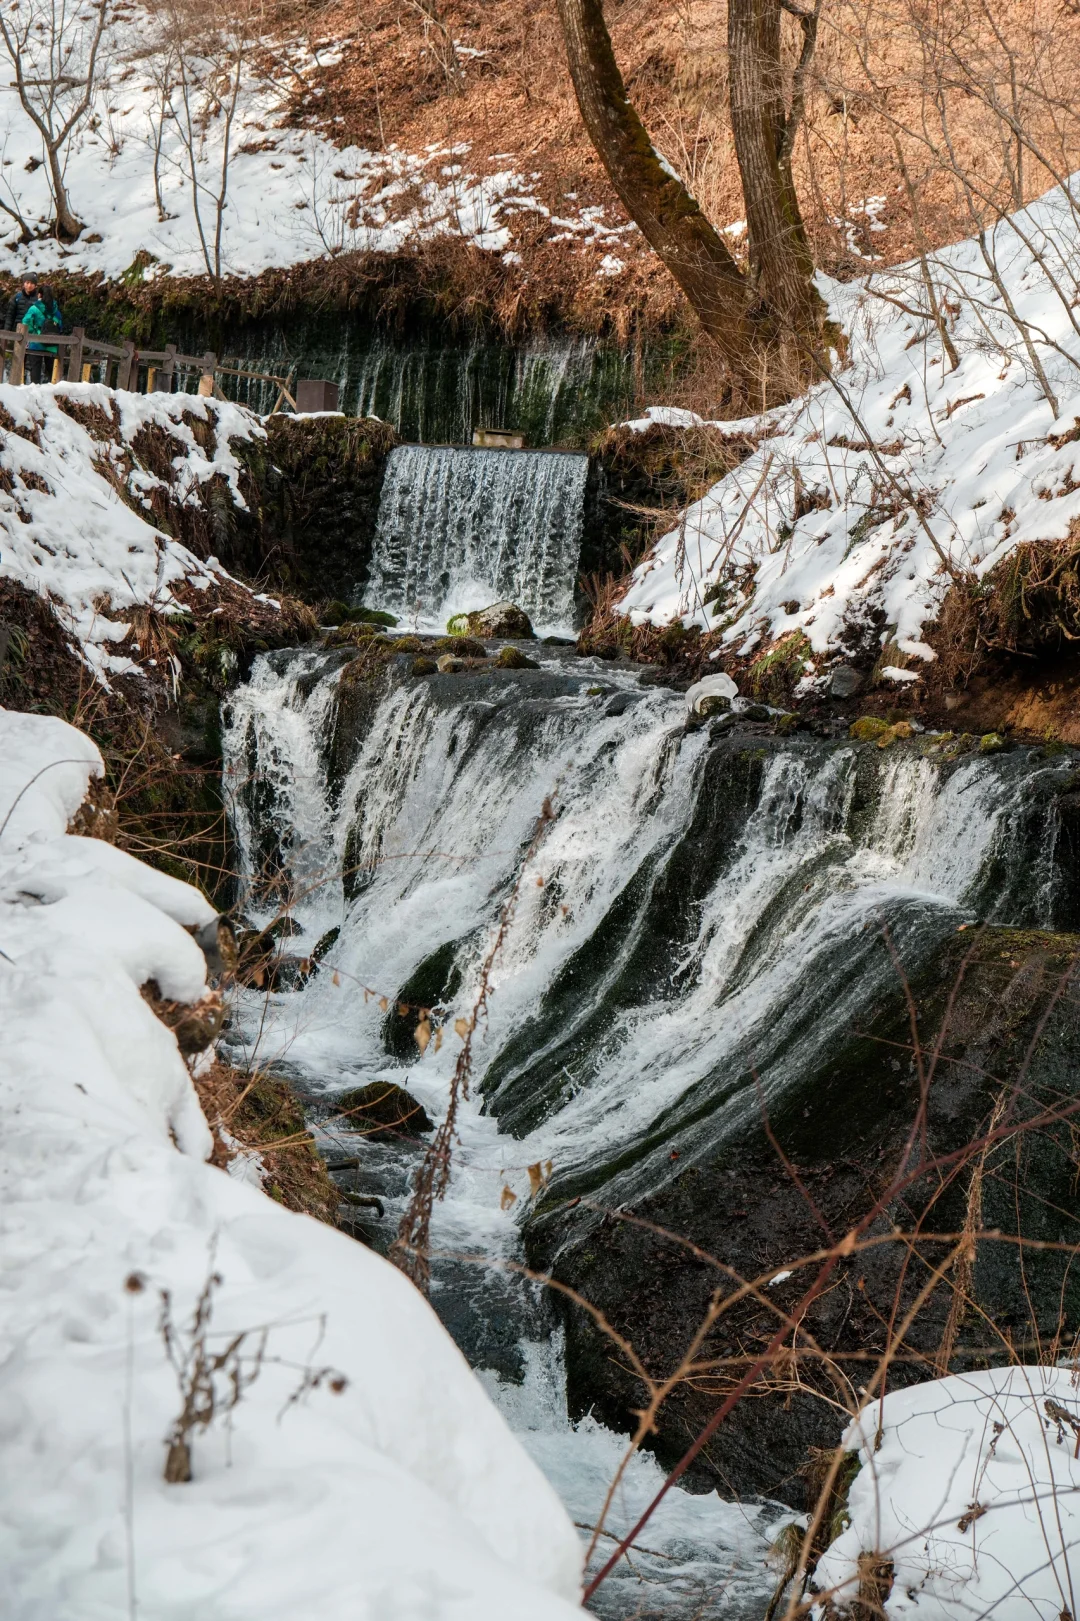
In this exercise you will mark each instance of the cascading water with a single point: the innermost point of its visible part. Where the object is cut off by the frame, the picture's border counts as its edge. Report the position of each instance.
(459, 529)
(697, 908)
(434, 383)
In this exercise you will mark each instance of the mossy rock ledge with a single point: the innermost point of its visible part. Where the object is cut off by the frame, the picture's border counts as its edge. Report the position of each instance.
(844, 1126)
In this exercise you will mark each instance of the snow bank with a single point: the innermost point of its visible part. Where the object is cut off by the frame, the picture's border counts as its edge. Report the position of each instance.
(973, 1493)
(860, 490)
(292, 195)
(65, 531)
(402, 1496)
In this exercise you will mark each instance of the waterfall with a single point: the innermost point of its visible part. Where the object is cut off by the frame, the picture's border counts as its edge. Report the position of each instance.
(704, 906)
(699, 922)
(459, 529)
(434, 383)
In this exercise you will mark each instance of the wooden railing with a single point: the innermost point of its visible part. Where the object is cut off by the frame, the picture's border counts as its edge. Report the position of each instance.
(75, 358)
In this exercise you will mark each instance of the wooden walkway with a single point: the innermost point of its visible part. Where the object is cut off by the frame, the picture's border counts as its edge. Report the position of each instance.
(75, 358)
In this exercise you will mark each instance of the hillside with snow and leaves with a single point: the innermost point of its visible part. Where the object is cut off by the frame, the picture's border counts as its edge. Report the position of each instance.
(189, 161)
(946, 435)
(345, 1462)
(77, 506)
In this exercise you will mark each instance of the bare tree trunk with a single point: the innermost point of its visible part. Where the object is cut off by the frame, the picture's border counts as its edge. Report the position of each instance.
(68, 227)
(781, 267)
(775, 311)
(41, 39)
(656, 200)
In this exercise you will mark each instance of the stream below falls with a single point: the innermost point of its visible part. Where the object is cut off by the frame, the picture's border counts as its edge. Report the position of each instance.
(703, 908)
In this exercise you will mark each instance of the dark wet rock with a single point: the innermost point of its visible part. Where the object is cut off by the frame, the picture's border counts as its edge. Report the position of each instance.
(758, 712)
(845, 681)
(620, 703)
(381, 1110)
(435, 982)
(843, 1125)
(324, 943)
(289, 973)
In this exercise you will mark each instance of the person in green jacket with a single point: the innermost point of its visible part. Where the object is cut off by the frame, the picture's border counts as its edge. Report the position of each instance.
(42, 317)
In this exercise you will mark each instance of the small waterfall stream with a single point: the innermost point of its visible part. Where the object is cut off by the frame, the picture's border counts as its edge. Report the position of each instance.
(698, 904)
(460, 528)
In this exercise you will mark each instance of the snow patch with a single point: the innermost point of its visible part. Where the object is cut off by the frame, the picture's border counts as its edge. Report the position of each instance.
(402, 1497)
(971, 1487)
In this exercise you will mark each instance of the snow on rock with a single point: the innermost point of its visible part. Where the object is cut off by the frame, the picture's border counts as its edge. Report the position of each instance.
(970, 1486)
(711, 686)
(668, 416)
(403, 1496)
(65, 531)
(863, 494)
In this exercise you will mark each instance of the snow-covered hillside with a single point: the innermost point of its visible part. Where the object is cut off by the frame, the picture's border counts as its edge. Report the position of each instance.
(363, 1474)
(65, 531)
(933, 450)
(290, 194)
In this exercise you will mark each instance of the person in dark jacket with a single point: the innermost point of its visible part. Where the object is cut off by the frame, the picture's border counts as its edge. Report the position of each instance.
(21, 301)
(42, 317)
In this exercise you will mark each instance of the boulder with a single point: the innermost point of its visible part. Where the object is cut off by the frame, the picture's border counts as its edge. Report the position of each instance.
(842, 1127)
(382, 1110)
(501, 619)
(845, 681)
(462, 647)
(512, 658)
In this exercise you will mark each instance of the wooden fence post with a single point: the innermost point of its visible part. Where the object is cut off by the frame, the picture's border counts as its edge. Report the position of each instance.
(206, 381)
(18, 358)
(75, 354)
(168, 371)
(127, 371)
